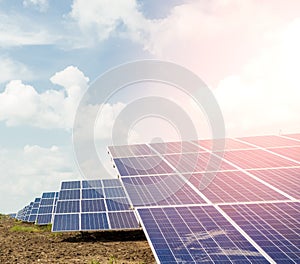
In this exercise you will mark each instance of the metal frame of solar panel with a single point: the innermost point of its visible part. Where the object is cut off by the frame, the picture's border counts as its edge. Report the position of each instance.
(247, 213)
(93, 205)
(47, 208)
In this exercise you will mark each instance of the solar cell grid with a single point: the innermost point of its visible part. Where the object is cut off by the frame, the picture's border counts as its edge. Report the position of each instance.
(122, 220)
(94, 221)
(160, 190)
(88, 184)
(70, 185)
(287, 179)
(289, 152)
(270, 141)
(233, 186)
(117, 204)
(197, 162)
(223, 144)
(48, 195)
(175, 147)
(66, 222)
(92, 193)
(111, 183)
(44, 219)
(91, 208)
(69, 206)
(114, 192)
(142, 166)
(275, 227)
(47, 201)
(69, 194)
(255, 159)
(195, 234)
(130, 150)
(96, 205)
(293, 136)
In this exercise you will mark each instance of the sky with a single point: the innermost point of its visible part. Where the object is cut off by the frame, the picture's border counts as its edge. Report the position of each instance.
(51, 52)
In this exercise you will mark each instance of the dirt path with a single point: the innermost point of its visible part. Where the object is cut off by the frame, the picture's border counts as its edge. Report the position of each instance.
(26, 243)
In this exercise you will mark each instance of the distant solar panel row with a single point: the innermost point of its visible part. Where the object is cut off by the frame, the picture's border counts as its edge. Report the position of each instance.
(93, 205)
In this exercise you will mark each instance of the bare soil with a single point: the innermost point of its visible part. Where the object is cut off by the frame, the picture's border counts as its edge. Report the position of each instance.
(20, 244)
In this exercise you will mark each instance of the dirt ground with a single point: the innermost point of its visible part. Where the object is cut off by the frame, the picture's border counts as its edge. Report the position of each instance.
(26, 243)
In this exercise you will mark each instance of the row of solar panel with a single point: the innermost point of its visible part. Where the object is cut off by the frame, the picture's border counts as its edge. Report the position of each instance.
(93, 205)
(245, 143)
(83, 208)
(238, 215)
(40, 211)
(205, 161)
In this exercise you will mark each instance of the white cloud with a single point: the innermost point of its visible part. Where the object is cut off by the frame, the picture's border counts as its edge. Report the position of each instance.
(26, 173)
(101, 19)
(17, 30)
(41, 5)
(22, 104)
(264, 98)
(11, 69)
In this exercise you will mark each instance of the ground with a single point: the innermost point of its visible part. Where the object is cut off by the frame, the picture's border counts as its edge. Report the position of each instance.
(27, 243)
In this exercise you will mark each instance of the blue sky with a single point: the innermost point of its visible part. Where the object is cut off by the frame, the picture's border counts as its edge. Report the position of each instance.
(51, 51)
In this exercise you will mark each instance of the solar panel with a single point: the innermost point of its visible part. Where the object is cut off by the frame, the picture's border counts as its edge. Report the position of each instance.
(234, 186)
(256, 159)
(270, 141)
(34, 210)
(289, 152)
(160, 190)
(275, 227)
(195, 235)
(175, 147)
(130, 150)
(91, 208)
(46, 208)
(239, 215)
(285, 179)
(293, 136)
(142, 166)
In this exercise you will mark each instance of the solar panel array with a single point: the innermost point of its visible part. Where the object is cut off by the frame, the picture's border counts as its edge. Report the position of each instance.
(93, 205)
(198, 203)
(227, 200)
(40, 211)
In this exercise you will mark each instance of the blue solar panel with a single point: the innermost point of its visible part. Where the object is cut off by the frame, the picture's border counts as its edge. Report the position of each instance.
(67, 207)
(44, 219)
(48, 195)
(96, 205)
(46, 208)
(111, 183)
(195, 235)
(233, 186)
(92, 193)
(93, 206)
(91, 184)
(142, 166)
(275, 227)
(118, 204)
(114, 192)
(47, 201)
(94, 221)
(69, 194)
(70, 185)
(130, 150)
(123, 220)
(160, 190)
(66, 222)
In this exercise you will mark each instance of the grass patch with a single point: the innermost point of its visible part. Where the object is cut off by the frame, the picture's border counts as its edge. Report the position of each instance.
(30, 228)
(20, 228)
